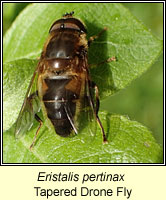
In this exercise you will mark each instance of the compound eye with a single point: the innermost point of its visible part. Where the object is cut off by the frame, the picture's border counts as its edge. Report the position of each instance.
(69, 23)
(65, 25)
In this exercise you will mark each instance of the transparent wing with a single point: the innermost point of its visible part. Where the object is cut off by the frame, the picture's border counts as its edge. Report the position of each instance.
(30, 107)
(95, 104)
(87, 118)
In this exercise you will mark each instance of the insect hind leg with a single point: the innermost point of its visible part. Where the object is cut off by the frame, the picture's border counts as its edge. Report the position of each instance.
(96, 106)
(96, 111)
(37, 132)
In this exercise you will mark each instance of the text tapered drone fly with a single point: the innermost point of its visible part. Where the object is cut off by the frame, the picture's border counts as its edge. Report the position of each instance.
(63, 86)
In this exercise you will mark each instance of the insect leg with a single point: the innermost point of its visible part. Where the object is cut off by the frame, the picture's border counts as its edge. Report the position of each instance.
(96, 107)
(113, 58)
(40, 124)
(94, 37)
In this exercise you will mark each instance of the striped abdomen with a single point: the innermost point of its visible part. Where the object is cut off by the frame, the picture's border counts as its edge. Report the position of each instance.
(60, 103)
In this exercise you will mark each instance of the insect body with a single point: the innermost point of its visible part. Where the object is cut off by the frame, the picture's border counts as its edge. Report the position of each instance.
(64, 88)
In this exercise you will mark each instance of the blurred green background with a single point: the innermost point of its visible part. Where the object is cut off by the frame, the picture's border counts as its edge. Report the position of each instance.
(143, 99)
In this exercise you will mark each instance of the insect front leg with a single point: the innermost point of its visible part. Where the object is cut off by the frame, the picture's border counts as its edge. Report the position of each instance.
(94, 37)
(37, 132)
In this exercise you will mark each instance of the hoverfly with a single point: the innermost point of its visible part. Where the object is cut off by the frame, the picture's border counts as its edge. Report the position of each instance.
(61, 84)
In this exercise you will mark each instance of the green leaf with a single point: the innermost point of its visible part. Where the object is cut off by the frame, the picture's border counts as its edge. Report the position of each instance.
(129, 142)
(126, 38)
